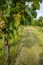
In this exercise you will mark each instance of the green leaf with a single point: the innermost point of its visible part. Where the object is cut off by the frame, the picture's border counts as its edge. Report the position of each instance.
(28, 11)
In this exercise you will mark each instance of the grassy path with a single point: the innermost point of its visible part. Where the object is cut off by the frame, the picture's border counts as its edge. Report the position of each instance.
(31, 46)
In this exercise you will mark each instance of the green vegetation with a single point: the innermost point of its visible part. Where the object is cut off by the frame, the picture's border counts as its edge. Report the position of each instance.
(18, 42)
(28, 51)
(38, 22)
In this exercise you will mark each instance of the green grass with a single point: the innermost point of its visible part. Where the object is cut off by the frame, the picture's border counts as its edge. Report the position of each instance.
(28, 50)
(32, 47)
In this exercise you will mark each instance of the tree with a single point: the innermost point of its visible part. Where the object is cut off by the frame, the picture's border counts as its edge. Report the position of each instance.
(38, 22)
(30, 11)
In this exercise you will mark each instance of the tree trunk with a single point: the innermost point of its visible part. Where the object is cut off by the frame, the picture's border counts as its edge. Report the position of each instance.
(6, 50)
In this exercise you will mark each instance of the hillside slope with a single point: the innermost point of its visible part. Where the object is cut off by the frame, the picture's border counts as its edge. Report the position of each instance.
(31, 47)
